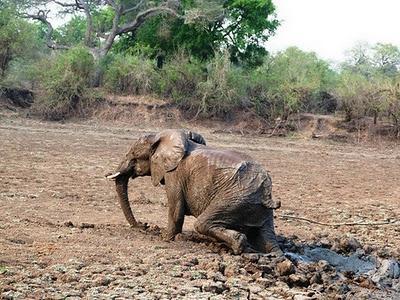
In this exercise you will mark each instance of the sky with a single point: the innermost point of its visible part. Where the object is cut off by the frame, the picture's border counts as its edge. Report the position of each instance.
(330, 27)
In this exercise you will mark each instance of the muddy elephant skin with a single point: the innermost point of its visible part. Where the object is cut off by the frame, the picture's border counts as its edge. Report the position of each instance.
(228, 192)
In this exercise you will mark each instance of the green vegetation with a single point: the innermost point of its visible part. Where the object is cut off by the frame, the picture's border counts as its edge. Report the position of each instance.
(207, 57)
(65, 80)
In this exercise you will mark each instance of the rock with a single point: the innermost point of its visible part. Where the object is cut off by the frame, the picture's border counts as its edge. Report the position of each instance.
(316, 278)
(396, 286)
(302, 297)
(388, 270)
(101, 280)
(198, 275)
(215, 287)
(265, 260)
(353, 244)
(285, 267)
(69, 277)
(345, 245)
(323, 266)
(325, 243)
(218, 277)
(265, 282)
(299, 280)
(68, 224)
(86, 225)
(231, 270)
(317, 287)
(253, 257)
(255, 288)
(60, 268)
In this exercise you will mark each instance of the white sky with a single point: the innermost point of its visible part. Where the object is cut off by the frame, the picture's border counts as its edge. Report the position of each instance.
(330, 27)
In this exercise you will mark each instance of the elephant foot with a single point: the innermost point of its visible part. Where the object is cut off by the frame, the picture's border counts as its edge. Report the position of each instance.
(168, 236)
(140, 226)
(240, 244)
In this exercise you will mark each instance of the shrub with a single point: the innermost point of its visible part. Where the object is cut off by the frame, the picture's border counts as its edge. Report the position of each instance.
(360, 96)
(66, 80)
(223, 90)
(180, 79)
(129, 74)
(289, 82)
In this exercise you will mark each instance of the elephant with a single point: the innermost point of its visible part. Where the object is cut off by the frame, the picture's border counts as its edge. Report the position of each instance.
(226, 191)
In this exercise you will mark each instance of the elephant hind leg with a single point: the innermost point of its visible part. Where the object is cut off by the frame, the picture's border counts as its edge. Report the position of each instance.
(235, 240)
(263, 238)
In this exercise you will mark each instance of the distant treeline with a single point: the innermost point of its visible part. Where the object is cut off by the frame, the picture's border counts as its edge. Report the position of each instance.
(208, 59)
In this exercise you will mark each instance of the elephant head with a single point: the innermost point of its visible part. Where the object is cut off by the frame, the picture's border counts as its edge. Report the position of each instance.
(152, 155)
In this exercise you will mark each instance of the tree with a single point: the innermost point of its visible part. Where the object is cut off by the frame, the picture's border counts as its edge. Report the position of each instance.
(123, 16)
(241, 27)
(386, 58)
(17, 37)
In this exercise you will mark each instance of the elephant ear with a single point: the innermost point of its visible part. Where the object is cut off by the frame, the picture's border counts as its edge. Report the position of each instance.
(170, 148)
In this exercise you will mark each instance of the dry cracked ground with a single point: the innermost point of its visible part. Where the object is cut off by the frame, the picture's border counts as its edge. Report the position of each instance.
(63, 236)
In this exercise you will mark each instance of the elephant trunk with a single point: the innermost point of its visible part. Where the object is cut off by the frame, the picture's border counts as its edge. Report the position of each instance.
(121, 184)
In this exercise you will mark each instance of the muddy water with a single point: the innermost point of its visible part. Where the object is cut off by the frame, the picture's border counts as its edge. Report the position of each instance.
(377, 269)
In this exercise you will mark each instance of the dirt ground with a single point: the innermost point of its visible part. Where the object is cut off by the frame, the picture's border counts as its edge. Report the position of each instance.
(63, 235)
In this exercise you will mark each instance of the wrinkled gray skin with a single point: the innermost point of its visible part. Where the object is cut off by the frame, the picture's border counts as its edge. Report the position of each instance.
(228, 193)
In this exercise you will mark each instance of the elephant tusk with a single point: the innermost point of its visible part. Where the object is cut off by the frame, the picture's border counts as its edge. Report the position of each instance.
(113, 176)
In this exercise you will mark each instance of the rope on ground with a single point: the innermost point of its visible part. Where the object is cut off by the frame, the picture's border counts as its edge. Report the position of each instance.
(284, 217)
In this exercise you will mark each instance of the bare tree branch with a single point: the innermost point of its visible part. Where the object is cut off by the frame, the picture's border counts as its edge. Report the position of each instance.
(89, 22)
(134, 8)
(63, 4)
(42, 17)
(340, 224)
(143, 16)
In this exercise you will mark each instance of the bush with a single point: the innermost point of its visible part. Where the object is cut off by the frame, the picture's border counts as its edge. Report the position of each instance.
(211, 89)
(223, 90)
(291, 81)
(66, 80)
(180, 79)
(360, 96)
(128, 74)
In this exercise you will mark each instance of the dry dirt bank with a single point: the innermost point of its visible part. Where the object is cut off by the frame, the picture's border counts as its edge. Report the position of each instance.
(63, 236)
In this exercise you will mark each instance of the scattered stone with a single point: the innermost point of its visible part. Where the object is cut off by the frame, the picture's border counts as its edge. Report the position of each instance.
(302, 297)
(299, 280)
(101, 280)
(285, 267)
(316, 278)
(388, 270)
(60, 268)
(215, 287)
(68, 224)
(255, 288)
(219, 277)
(231, 270)
(253, 257)
(86, 225)
(324, 242)
(324, 266)
(198, 275)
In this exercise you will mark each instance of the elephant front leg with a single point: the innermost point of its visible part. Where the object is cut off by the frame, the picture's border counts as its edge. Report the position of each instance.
(176, 217)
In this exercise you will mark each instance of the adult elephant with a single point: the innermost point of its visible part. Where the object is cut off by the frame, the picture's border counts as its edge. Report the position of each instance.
(228, 193)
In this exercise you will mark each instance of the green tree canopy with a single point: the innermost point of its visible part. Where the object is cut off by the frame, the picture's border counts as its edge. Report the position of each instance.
(241, 27)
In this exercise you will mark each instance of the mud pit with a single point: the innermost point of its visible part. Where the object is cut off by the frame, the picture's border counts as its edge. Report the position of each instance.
(63, 236)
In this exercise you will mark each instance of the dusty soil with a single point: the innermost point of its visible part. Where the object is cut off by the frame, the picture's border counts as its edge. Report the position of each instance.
(63, 236)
